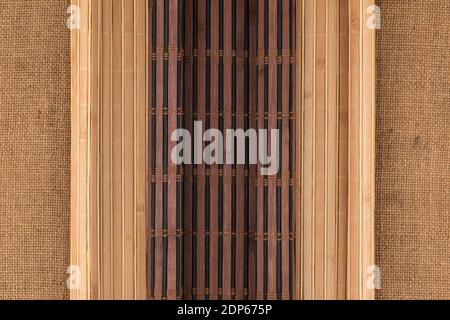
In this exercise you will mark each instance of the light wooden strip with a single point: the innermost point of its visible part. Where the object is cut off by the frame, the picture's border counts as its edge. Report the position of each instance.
(362, 144)
(93, 151)
(109, 63)
(336, 103)
(332, 147)
(75, 145)
(354, 143)
(140, 140)
(369, 149)
(343, 148)
(106, 153)
(117, 136)
(128, 113)
(299, 29)
(361, 166)
(307, 154)
(320, 128)
(80, 141)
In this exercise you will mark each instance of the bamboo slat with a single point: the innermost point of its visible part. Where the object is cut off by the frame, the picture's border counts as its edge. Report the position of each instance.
(108, 232)
(336, 188)
(361, 255)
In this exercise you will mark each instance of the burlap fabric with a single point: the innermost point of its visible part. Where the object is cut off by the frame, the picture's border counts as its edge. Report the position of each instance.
(34, 149)
(413, 149)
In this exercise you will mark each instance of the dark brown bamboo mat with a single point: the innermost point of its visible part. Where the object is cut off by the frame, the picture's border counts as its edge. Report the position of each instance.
(413, 149)
(34, 149)
(221, 231)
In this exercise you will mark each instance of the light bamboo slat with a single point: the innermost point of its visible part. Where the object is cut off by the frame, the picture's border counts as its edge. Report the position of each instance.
(109, 94)
(361, 255)
(336, 70)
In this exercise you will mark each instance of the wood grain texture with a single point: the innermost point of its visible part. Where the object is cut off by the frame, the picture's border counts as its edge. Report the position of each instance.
(109, 63)
(336, 157)
(361, 255)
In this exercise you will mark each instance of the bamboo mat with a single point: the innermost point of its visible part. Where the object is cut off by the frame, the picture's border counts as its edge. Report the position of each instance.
(34, 149)
(237, 236)
(413, 149)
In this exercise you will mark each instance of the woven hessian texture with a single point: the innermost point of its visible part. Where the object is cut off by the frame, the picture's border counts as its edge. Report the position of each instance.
(34, 149)
(413, 149)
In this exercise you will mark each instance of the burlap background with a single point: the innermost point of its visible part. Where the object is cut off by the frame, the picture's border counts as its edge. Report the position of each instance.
(34, 149)
(413, 149)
